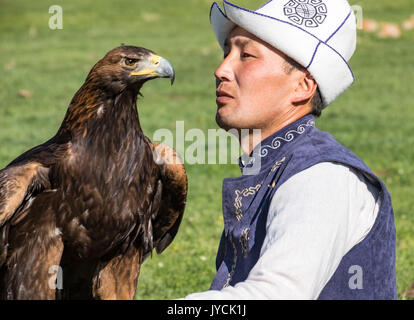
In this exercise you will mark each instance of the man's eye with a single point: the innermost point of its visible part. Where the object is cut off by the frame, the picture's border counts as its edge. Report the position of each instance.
(246, 55)
(130, 61)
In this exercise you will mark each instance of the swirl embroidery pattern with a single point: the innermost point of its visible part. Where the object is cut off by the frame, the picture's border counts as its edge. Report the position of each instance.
(239, 196)
(312, 13)
(244, 236)
(233, 267)
(244, 241)
(289, 136)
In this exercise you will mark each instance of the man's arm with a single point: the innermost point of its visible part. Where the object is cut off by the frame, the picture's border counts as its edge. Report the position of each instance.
(314, 219)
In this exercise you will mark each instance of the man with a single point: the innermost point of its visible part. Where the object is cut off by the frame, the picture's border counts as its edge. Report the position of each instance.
(314, 221)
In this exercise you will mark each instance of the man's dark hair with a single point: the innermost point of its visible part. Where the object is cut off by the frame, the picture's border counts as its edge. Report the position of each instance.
(316, 102)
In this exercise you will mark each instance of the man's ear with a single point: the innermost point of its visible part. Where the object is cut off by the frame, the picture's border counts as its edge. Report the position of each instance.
(305, 89)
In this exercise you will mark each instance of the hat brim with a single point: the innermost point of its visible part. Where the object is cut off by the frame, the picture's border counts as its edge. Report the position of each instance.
(323, 62)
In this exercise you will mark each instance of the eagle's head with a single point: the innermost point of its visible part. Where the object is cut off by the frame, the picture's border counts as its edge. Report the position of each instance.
(128, 68)
(115, 80)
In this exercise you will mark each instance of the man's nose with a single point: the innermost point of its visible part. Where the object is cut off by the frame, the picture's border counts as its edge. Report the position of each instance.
(224, 72)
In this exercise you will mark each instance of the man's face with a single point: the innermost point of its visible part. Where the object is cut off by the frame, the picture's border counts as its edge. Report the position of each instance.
(253, 87)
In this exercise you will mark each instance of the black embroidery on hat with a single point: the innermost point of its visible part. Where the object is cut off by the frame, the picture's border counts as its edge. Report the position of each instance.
(311, 13)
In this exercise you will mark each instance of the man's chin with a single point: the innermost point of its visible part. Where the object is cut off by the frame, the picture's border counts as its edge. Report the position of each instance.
(222, 123)
(227, 125)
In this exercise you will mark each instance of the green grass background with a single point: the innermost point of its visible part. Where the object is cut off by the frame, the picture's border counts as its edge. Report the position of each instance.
(374, 118)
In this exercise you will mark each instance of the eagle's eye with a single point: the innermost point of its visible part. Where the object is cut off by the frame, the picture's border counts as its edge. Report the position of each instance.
(130, 62)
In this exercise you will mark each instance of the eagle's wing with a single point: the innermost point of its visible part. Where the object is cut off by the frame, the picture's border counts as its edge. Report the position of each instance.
(172, 194)
(164, 217)
(19, 183)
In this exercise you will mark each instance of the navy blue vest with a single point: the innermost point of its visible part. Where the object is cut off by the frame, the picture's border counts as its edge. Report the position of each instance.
(246, 202)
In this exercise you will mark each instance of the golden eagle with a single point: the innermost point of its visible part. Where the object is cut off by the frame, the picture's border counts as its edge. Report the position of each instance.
(93, 201)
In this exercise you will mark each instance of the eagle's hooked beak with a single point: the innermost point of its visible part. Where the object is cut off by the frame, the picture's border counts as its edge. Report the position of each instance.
(155, 66)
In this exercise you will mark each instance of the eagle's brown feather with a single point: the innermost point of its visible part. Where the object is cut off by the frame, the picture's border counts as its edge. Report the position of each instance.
(91, 202)
(173, 199)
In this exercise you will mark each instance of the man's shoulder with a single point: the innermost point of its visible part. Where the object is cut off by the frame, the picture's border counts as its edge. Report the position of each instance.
(320, 146)
(317, 141)
(317, 147)
(319, 179)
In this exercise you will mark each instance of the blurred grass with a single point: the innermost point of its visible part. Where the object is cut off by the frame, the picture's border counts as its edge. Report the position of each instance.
(375, 118)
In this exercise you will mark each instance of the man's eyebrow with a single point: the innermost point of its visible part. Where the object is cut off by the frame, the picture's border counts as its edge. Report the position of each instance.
(238, 42)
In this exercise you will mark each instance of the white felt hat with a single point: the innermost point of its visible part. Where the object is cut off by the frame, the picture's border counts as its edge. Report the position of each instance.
(318, 34)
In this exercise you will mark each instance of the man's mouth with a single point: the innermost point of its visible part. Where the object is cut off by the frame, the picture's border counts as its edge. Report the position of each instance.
(223, 96)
